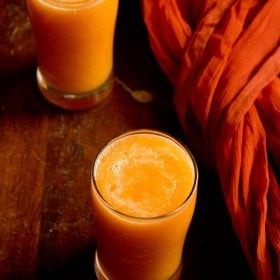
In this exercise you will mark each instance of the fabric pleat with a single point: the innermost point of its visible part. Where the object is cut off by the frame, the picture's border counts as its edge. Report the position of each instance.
(223, 60)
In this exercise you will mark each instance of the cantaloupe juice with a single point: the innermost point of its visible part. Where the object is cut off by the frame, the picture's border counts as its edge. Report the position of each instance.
(144, 187)
(74, 42)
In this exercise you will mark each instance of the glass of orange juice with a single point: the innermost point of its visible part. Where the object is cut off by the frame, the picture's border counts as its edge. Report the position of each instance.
(74, 50)
(144, 188)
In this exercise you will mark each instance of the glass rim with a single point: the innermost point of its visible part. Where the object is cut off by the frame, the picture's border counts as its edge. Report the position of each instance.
(70, 4)
(139, 218)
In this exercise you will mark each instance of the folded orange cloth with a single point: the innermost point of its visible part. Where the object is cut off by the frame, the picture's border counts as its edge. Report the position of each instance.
(223, 58)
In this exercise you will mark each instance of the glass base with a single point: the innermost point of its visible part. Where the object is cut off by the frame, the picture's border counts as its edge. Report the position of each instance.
(77, 101)
(100, 275)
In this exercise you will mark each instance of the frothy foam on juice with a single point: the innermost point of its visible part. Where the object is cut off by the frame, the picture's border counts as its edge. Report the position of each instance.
(144, 175)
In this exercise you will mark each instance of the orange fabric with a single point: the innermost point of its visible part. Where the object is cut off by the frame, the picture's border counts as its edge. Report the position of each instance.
(223, 58)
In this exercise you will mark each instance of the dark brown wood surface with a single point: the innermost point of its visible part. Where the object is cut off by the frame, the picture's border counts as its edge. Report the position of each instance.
(46, 225)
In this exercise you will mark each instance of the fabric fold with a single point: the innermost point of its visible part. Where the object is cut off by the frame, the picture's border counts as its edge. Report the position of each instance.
(224, 63)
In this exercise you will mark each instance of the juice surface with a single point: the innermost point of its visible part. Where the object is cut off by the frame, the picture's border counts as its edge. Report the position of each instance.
(144, 175)
(74, 42)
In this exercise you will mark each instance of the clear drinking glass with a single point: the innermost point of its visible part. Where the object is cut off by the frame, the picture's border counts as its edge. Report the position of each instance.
(74, 50)
(144, 188)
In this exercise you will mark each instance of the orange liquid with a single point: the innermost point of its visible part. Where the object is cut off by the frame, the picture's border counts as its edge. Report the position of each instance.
(74, 42)
(145, 177)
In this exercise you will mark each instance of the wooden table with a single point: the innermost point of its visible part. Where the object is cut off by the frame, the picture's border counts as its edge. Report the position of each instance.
(46, 225)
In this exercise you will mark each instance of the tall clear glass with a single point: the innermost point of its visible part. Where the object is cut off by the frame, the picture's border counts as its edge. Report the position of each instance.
(144, 188)
(74, 50)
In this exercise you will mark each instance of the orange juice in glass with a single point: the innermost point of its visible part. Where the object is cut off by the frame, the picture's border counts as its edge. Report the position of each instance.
(144, 186)
(74, 50)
